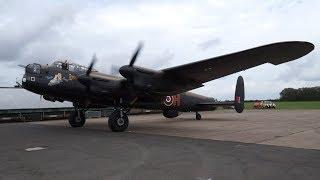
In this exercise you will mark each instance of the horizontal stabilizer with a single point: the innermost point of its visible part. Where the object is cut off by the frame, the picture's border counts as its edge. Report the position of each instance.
(238, 102)
(217, 103)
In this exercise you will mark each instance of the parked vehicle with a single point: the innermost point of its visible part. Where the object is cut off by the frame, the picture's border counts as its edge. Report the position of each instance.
(264, 105)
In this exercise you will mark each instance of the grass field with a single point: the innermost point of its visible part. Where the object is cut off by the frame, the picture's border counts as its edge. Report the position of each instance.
(291, 105)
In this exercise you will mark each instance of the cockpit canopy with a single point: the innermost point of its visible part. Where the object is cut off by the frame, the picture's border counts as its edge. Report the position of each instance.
(73, 67)
(33, 68)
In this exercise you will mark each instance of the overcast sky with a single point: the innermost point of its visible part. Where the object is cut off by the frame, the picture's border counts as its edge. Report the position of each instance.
(173, 32)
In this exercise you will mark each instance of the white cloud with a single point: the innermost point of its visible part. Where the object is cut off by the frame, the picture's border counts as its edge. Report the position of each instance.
(76, 29)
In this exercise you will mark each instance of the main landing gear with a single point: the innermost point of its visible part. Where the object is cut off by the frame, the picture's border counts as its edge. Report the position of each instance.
(77, 118)
(198, 116)
(118, 121)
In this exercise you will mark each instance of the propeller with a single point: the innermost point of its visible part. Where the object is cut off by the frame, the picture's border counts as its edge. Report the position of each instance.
(85, 79)
(93, 61)
(21, 65)
(127, 71)
(135, 55)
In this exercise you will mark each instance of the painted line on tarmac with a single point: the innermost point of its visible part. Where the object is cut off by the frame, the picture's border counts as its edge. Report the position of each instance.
(35, 149)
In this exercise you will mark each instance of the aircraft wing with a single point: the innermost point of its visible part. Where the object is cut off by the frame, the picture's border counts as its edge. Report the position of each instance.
(214, 68)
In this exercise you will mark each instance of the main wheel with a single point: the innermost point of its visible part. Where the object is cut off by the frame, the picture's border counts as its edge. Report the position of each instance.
(118, 122)
(198, 116)
(77, 119)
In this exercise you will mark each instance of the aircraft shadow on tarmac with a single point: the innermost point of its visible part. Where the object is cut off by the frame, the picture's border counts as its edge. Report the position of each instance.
(157, 124)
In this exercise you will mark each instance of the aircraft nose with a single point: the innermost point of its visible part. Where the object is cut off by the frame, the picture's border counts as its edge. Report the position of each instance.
(28, 81)
(19, 80)
(23, 80)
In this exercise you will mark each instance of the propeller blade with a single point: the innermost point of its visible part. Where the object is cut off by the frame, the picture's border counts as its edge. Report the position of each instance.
(135, 55)
(93, 61)
(85, 80)
(23, 66)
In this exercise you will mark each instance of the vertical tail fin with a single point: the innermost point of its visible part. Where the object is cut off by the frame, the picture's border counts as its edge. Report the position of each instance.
(239, 95)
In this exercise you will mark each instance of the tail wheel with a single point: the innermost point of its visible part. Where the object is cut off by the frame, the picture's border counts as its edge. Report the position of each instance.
(118, 121)
(198, 116)
(77, 119)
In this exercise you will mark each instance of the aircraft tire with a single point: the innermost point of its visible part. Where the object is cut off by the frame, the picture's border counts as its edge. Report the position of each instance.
(76, 121)
(116, 123)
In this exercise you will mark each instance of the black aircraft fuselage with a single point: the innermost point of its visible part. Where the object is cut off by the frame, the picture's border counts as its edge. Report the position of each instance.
(139, 87)
(57, 84)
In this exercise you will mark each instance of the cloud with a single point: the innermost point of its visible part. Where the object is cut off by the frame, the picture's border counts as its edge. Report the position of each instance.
(19, 32)
(283, 4)
(174, 33)
(210, 43)
(161, 60)
(307, 70)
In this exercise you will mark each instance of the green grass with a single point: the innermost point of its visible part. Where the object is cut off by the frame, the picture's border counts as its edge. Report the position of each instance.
(290, 105)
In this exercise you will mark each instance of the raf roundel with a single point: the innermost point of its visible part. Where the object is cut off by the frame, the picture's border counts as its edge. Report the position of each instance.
(168, 101)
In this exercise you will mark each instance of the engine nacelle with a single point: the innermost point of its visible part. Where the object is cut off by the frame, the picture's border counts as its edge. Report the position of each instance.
(170, 113)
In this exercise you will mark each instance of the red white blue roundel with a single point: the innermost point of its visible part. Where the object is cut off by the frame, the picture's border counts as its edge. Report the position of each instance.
(168, 101)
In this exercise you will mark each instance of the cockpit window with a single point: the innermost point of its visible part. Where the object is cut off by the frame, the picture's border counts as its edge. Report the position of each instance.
(71, 67)
(77, 68)
(33, 68)
(57, 64)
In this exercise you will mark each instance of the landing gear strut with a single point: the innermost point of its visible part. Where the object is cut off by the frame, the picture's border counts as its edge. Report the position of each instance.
(77, 118)
(198, 116)
(118, 121)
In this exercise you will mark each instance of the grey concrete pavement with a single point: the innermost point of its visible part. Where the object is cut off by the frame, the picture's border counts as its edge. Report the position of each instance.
(291, 128)
(93, 152)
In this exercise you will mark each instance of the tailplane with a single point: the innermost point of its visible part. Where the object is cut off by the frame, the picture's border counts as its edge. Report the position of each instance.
(238, 102)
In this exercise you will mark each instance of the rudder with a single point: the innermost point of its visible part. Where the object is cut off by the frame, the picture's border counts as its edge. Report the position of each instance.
(239, 95)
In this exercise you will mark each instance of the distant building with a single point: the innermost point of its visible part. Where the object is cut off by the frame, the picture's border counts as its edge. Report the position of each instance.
(23, 99)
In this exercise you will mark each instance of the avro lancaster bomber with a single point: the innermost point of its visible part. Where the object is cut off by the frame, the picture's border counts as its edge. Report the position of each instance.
(139, 87)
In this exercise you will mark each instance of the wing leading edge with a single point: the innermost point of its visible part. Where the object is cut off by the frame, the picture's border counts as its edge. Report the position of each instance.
(214, 68)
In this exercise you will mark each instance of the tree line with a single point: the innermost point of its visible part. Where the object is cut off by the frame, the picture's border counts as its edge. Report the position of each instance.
(300, 94)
